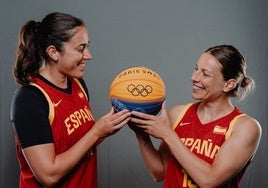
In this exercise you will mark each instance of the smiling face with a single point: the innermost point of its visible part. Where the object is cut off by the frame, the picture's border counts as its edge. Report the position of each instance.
(207, 79)
(72, 59)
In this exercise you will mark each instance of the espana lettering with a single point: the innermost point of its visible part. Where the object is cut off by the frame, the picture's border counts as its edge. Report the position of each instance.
(77, 118)
(204, 147)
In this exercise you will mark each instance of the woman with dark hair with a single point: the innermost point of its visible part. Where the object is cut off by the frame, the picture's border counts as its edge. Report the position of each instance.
(208, 143)
(56, 134)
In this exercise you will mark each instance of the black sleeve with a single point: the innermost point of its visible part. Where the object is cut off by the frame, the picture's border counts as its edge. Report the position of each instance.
(29, 116)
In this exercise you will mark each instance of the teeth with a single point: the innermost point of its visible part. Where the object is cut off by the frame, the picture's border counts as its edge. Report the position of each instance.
(197, 87)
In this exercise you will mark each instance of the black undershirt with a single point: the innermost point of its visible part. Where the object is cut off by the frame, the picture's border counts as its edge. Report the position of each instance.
(29, 114)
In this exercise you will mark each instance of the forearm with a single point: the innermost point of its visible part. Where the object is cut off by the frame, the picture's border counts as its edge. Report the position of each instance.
(200, 171)
(83, 147)
(48, 167)
(152, 157)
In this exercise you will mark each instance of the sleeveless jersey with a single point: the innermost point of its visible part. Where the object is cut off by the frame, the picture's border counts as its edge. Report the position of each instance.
(203, 140)
(70, 118)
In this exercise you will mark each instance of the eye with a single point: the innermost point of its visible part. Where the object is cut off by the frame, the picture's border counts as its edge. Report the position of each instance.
(204, 72)
(81, 49)
(207, 74)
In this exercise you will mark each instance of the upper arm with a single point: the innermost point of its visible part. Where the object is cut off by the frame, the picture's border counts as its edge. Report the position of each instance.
(238, 150)
(165, 153)
(29, 116)
(39, 157)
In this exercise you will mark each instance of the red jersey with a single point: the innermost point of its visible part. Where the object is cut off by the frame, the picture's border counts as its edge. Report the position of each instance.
(203, 140)
(70, 118)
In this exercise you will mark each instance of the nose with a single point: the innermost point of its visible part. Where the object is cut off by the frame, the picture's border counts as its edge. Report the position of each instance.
(195, 75)
(87, 54)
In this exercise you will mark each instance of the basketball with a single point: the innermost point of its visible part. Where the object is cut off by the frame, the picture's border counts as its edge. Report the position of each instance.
(137, 89)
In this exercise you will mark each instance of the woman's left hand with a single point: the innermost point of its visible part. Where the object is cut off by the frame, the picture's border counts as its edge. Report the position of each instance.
(157, 126)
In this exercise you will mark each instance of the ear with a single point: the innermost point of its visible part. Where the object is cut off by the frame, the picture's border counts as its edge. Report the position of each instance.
(52, 53)
(229, 85)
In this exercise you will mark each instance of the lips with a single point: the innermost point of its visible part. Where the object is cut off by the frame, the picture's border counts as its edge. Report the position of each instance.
(81, 67)
(196, 87)
(82, 64)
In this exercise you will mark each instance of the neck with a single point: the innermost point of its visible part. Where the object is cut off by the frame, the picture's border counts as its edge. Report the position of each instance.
(211, 111)
(54, 77)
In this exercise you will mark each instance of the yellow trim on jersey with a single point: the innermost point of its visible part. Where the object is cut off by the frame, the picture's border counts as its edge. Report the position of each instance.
(185, 108)
(232, 123)
(51, 106)
(81, 87)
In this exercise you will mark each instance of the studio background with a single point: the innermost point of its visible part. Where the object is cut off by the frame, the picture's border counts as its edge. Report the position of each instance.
(166, 36)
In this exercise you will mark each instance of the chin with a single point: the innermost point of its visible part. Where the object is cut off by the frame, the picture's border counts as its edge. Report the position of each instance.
(195, 97)
(76, 76)
(79, 75)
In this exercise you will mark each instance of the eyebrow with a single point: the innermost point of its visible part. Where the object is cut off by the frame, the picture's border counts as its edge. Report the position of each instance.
(85, 44)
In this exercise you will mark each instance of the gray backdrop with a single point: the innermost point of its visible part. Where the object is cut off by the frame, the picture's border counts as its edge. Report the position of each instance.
(166, 36)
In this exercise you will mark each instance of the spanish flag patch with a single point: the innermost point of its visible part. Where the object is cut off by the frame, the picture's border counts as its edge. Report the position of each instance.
(219, 130)
(81, 95)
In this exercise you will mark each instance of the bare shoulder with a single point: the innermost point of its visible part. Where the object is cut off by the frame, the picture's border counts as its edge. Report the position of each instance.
(175, 111)
(248, 123)
(249, 128)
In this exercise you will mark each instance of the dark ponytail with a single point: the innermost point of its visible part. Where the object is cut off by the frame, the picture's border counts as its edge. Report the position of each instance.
(28, 60)
(35, 37)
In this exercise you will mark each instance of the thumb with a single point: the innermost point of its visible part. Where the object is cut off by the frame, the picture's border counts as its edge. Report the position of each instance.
(164, 107)
(111, 111)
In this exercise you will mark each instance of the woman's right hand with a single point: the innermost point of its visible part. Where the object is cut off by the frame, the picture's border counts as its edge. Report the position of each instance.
(111, 123)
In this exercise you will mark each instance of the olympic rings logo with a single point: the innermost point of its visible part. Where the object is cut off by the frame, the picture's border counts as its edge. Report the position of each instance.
(140, 90)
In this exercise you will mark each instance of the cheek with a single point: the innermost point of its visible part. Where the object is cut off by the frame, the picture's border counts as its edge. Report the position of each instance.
(213, 84)
(78, 57)
(218, 86)
(73, 58)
